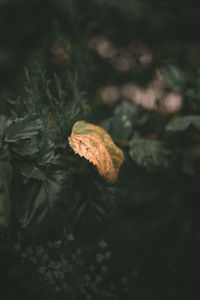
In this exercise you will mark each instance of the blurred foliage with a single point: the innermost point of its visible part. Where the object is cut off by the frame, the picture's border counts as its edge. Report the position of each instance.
(174, 78)
(184, 123)
(67, 233)
(149, 154)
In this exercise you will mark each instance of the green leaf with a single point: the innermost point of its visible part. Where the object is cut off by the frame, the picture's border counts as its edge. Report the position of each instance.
(5, 180)
(124, 116)
(40, 146)
(4, 122)
(89, 205)
(46, 150)
(41, 199)
(27, 147)
(184, 123)
(4, 152)
(61, 160)
(31, 171)
(23, 128)
(175, 79)
(149, 154)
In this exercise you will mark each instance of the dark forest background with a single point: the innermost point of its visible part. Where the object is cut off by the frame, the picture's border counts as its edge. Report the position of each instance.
(133, 68)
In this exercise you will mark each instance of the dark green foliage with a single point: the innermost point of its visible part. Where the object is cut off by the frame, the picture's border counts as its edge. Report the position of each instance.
(90, 208)
(149, 154)
(31, 171)
(175, 78)
(65, 232)
(125, 116)
(22, 129)
(43, 197)
(184, 123)
(5, 180)
(5, 177)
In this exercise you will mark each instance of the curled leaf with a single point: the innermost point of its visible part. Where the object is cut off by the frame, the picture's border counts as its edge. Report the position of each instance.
(95, 144)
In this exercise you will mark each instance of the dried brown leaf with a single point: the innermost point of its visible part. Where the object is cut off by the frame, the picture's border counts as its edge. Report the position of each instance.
(95, 144)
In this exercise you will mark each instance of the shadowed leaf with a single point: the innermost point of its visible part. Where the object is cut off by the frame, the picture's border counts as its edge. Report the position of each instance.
(124, 117)
(31, 171)
(174, 77)
(183, 123)
(23, 128)
(149, 154)
(43, 198)
(5, 180)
